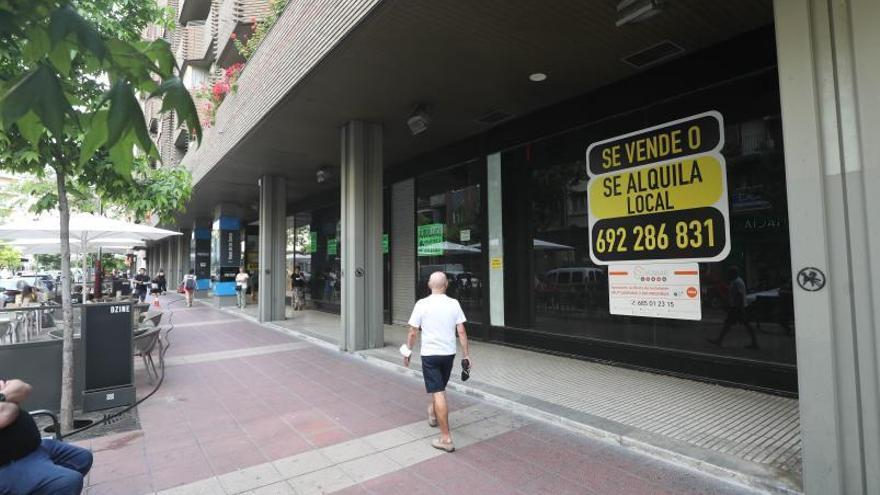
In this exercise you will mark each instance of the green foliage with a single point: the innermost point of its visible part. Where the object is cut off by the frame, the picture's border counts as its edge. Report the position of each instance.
(9, 256)
(71, 79)
(48, 261)
(260, 29)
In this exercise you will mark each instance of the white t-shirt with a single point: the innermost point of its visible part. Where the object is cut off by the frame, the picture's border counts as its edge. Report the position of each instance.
(241, 279)
(437, 315)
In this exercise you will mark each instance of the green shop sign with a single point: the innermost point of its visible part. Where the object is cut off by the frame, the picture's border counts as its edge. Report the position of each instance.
(313, 242)
(384, 243)
(431, 238)
(332, 246)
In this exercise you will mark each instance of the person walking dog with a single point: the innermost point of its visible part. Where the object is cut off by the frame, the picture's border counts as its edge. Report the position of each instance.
(440, 318)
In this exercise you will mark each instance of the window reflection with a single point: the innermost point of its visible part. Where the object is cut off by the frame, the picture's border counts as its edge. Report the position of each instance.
(449, 234)
(569, 294)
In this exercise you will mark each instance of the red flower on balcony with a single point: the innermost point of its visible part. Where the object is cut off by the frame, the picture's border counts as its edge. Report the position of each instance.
(233, 36)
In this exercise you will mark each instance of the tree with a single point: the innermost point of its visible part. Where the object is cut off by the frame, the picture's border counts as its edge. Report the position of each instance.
(70, 76)
(9, 257)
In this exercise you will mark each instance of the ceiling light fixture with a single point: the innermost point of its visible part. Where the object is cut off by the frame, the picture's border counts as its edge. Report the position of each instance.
(537, 77)
(419, 121)
(633, 11)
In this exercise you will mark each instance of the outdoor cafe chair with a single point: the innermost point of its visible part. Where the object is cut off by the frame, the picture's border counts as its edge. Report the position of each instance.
(56, 425)
(144, 345)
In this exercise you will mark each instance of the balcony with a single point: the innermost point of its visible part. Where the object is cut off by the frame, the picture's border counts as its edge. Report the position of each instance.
(181, 138)
(193, 10)
(237, 17)
(194, 46)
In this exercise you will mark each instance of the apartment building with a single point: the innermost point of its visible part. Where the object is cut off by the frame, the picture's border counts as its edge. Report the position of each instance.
(534, 151)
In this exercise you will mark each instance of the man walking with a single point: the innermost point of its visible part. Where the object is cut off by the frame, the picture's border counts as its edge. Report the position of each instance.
(440, 318)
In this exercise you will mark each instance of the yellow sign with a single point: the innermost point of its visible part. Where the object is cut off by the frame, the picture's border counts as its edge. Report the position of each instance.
(496, 263)
(687, 183)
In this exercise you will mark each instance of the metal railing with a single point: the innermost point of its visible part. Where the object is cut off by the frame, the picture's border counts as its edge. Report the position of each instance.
(28, 323)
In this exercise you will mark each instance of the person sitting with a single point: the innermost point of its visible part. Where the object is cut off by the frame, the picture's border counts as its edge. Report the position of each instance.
(27, 296)
(29, 464)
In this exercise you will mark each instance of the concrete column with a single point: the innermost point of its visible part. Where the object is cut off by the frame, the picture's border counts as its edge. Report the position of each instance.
(272, 244)
(226, 248)
(183, 254)
(828, 75)
(201, 252)
(361, 183)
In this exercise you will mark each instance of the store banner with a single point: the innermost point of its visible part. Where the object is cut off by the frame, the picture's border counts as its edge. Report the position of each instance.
(431, 239)
(313, 243)
(332, 246)
(655, 290)
(660, 194)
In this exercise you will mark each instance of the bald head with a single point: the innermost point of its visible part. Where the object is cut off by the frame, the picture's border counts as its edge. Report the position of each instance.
(437, 283)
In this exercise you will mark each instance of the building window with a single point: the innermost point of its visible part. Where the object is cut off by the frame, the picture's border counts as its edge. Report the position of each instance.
(560, 291)
(449, 234)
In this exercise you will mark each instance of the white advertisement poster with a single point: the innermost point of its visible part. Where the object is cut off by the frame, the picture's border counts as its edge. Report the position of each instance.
(655, 290)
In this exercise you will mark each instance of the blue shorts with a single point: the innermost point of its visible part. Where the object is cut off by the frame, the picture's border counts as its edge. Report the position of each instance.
(436, 370)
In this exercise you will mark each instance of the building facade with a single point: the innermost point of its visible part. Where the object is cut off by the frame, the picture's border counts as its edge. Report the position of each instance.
(370, 143)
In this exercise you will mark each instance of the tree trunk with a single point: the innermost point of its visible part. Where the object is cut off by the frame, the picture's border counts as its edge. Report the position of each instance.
(66, 414)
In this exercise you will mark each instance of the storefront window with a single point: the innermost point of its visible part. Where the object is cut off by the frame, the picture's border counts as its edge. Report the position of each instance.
(556, 287)
(317, 250)
(449, 234)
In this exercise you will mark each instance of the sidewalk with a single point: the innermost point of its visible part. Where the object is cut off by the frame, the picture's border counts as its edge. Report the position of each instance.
(247, 409)
(722, 430)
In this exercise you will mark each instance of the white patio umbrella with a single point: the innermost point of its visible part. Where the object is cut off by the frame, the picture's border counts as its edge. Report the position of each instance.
(53, 246)
(85, 229)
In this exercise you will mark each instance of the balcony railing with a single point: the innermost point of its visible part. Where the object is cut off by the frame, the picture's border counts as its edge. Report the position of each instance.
(192, 44)
(237, 17)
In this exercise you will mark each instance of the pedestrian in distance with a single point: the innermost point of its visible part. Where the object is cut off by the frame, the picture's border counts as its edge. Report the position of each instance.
(439, 318)
(298, 284)
(736, 311)
(161, 281)
(28, 463)
(189, 287)
(241, 286)
(141, 284)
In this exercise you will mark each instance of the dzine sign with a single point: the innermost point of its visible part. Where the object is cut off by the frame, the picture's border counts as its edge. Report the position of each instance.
(660, 194)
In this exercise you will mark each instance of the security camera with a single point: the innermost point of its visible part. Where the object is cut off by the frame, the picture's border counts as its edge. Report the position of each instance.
(419, 121)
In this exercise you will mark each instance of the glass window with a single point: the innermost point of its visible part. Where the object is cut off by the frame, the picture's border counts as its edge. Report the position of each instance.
(568, 294)
(449, 234)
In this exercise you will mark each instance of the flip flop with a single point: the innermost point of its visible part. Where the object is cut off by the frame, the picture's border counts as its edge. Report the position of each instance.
(437, 444)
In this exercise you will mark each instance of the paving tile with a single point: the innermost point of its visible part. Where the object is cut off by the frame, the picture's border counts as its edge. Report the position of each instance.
(133, 485)
(329, 437)
(281, 488)
(225, 461)
(283, 446)
(349, 450)
(389, 438)
(552, 484)
(250, 478)
(369, 467)
(210, 486)
(180, 475)
(413, 453)
(400, 483)
(327, 480)
(499, 464)
(297, 465)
